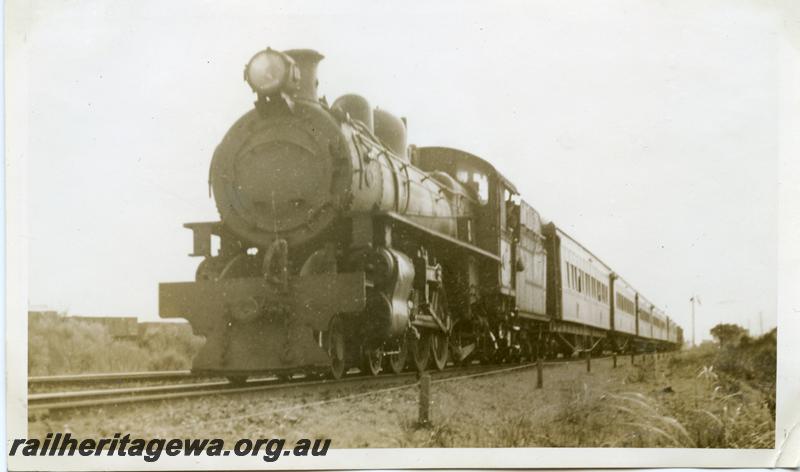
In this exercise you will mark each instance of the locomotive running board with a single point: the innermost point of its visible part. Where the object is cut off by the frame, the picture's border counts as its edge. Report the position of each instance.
(436, 234)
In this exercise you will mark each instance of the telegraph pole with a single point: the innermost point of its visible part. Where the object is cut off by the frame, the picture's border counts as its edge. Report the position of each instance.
(693, 344)
(694, 298)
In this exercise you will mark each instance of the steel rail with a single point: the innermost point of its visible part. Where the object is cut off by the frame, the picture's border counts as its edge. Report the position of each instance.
(112, 397)
(110, 376)
(67, 400)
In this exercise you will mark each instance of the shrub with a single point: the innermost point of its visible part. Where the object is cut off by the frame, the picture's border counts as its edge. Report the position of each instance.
(61, 345)
(753, 361)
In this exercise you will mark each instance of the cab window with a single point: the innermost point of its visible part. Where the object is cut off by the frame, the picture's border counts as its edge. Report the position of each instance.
(483, 186)
(475, 180)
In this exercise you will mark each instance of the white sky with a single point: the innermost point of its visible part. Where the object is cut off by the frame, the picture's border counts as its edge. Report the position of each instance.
(647, 130)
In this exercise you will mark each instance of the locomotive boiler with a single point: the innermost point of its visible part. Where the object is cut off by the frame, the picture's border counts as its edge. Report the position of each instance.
(322, 256)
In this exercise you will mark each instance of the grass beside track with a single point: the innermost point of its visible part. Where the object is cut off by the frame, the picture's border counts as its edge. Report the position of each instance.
(704, 397)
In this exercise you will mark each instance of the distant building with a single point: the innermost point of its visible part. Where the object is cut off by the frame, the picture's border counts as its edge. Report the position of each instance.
(42, 315)
(155, 326)
(123, 328)
(119, 327)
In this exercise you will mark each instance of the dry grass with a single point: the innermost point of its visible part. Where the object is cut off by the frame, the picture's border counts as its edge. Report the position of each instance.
(700, 398)
(60, 345)
(704, 397)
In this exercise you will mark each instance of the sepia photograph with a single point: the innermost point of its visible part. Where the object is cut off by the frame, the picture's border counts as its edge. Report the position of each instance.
(459, 234)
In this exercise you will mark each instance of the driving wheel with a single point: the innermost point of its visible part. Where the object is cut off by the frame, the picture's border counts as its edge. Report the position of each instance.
(420, 350)
(371, 359)
(396, 362)
(336, 348)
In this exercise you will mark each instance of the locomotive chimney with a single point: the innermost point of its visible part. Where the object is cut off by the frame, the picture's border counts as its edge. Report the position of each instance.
(307, 61)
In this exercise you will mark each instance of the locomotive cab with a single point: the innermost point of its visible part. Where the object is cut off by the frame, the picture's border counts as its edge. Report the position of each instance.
(494, 222)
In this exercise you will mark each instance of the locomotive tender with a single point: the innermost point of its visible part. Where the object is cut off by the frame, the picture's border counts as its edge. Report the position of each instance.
(339, 245)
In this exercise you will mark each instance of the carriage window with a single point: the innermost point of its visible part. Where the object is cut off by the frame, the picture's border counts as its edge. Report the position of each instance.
(571, 273)
(462, 176)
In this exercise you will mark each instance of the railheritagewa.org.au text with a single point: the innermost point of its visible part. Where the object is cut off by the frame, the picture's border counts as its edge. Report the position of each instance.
(63, 444)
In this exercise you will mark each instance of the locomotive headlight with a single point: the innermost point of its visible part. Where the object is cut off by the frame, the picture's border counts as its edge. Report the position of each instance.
(271, 71)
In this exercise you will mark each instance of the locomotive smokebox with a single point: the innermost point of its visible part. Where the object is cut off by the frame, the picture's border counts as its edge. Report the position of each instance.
(307, 61)
(282, 172)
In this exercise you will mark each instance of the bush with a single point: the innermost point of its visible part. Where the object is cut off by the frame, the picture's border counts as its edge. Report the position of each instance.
(753, 361)
(60, 345)
(172, 346)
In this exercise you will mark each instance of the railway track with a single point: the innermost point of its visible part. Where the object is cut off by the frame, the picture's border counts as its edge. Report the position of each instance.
(53, 401)
(86, 379)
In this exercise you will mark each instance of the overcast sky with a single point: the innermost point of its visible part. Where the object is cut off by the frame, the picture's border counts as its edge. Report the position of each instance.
(647, 130)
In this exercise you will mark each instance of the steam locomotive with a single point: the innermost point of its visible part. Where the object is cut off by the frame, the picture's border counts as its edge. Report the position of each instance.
(341, 246)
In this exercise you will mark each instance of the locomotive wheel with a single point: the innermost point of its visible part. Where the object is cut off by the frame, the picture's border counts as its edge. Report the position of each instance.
(420, 351)
(371, 360)
(439, 350)
(397, 362)
(438, 340)
(336, 349)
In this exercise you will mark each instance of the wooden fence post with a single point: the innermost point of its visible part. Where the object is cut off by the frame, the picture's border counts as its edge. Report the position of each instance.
(539, 378)
(614, 358)
(425, 399)
(588, 360)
